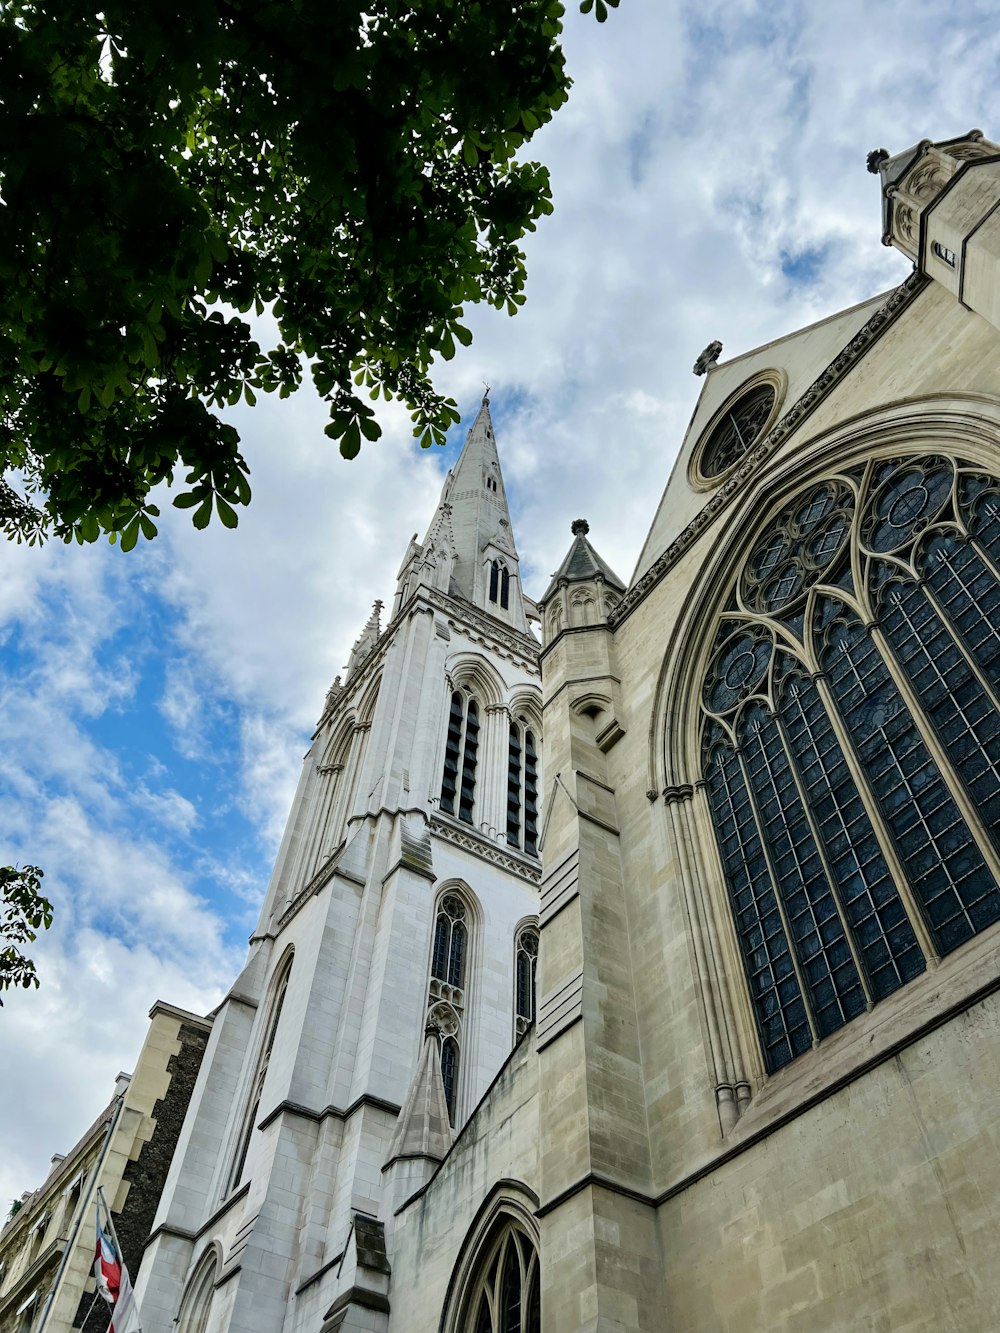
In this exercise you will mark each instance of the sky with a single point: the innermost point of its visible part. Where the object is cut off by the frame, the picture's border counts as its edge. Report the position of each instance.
(709, 182)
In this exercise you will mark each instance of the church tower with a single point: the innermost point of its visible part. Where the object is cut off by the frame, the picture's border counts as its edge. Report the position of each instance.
(393, 966)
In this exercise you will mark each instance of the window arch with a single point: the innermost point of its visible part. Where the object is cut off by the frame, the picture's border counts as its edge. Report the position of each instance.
(197, 1299)
(525, 976)
(500, 1287)
(522, 787)
(448, 989)
(279, 989)
(850, 740)
(461, 756)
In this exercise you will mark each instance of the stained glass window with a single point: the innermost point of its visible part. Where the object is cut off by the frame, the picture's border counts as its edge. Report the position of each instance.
(736, 430)
(851, 740)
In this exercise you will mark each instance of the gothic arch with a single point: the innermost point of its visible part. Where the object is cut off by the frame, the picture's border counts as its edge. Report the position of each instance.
(369, 698)
(967, 424)
(937, 444)
(472, 672)
(192, 1317)
(507, 1213)
(270, 1012)
(526, 701)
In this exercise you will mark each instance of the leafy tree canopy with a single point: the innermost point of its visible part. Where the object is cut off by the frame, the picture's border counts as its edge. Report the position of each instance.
(168, 168)
(24, 911)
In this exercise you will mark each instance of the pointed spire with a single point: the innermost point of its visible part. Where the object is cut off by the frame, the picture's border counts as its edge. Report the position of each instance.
(469, 549)
(367, 640)
(582, 563)
(423, 1128)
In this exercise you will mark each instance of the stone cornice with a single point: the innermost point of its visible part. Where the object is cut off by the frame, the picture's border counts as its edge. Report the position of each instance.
(471, 841)
(521, 649)
(803, 407)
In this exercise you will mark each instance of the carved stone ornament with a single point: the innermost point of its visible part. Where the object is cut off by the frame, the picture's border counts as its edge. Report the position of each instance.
(875, 159)
(905, 222)
(708, 358)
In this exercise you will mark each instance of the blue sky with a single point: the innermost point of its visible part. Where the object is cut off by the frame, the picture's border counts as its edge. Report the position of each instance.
(709, 177)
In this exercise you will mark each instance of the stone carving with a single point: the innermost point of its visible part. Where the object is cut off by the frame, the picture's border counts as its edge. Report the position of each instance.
(487, 850)
(708, 358)
(875, 159)
(803, 407)
(905, 223)
(926, 181)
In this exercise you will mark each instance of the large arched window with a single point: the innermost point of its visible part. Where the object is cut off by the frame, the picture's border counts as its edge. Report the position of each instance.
(447, 990)
(851, 740)
(458, 782)
(506, 1296)
(525, 973)
(522, 787)
(279, 988)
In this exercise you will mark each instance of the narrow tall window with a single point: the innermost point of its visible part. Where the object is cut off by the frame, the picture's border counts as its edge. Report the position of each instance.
(505, 588)
(525, 972)
(458, 782)
(852, 757)
(522, 788)
(263, 1060)
(446, 993)
(494, 579)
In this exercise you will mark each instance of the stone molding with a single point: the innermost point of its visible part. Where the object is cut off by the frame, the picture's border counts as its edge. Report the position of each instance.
(803, 407)
(471, 841)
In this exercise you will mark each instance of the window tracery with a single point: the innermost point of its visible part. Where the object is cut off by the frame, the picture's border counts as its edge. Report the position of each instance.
(736, 429)
(525, 974)
(851, 740)
(506, 1297)
(447, 990)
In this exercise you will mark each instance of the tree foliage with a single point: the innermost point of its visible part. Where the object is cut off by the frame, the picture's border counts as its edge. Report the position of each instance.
(24, 911)
(344, 168)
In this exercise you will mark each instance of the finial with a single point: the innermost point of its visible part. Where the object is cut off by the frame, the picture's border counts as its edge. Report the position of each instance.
(579, 527)
(875, 159)
(486, 395)
(708, 357)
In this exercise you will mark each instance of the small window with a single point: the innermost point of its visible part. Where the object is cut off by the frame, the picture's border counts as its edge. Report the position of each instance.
(525, 971)
(943, 253)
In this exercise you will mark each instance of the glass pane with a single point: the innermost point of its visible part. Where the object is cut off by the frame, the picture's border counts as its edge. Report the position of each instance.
(774, 989)
(456, 957)
(439, 958)
(510, 1291)
(484, 1324)
(882, 932)
(449, 1073)
(831, 977)
(943, 863)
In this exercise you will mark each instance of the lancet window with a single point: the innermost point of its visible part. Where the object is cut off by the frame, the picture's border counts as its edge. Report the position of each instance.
(278, 992)
(447, 990)
(851, 741)
(500, 583)
(525, 972)
(506, 1297)
(458, 782)
(522, 788)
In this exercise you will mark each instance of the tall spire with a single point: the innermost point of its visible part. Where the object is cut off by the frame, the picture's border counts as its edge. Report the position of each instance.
(469, 549)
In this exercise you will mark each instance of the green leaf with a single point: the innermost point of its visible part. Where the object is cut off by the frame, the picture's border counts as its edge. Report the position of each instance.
(227, 513)
(202, 515)
(350, 444)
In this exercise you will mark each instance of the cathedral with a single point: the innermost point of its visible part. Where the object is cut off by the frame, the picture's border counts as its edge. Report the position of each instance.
(630, 961)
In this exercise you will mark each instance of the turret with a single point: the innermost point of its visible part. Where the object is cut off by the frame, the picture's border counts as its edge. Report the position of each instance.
(939, 207)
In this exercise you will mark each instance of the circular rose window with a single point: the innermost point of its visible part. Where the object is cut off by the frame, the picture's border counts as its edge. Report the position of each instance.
(737, 429)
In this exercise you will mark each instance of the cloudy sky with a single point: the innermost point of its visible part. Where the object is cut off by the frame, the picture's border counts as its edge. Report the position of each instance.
(709, 178)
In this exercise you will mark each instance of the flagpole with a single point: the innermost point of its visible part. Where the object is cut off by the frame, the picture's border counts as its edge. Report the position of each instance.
(120, 1252)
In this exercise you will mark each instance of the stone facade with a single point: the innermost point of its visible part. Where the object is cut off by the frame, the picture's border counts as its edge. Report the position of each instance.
(757, 1093)
(47, 1247)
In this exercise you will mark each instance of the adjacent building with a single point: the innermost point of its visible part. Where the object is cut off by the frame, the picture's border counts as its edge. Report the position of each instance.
(47, 1245)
